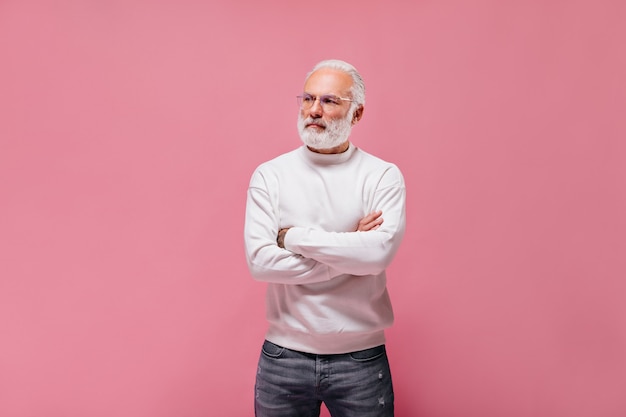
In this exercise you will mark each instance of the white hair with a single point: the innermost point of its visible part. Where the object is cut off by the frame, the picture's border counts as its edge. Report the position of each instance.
(358, 86)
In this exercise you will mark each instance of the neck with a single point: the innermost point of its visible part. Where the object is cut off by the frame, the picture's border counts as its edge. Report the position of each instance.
(337, 149)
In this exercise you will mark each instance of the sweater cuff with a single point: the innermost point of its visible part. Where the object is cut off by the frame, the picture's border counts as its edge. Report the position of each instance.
(291, 237)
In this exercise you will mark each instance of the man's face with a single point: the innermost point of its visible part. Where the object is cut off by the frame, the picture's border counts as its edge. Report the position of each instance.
(325, 127)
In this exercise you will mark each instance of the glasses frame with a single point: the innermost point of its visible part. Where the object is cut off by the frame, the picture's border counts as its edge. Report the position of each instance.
(321, 98)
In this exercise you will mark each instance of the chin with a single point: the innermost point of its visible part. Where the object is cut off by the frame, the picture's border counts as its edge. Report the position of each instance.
(321, 143)
(333, 135)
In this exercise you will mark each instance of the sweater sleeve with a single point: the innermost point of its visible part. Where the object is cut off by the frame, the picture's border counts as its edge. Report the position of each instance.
(359, 253)
(266, 260)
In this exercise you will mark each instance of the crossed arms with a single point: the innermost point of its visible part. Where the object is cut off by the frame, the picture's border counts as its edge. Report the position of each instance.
(304, 255)
(370, 222)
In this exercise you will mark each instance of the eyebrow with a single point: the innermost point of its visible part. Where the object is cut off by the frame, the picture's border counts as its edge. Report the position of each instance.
(347, 95)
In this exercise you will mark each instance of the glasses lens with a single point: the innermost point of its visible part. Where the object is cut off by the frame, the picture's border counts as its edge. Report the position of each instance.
(327, 101)
(330, 101)
(306, 101)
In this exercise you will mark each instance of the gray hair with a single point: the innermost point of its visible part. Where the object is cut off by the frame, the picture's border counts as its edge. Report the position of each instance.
(358, 86)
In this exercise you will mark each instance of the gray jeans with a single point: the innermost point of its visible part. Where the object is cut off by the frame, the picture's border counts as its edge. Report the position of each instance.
(295, 384)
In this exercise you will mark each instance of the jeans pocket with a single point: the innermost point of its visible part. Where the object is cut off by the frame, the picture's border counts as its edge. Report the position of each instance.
(368, 354)
(272, 350)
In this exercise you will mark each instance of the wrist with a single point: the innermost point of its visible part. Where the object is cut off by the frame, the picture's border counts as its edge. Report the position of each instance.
(280, 239)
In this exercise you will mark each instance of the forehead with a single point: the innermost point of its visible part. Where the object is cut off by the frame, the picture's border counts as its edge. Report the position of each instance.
(328, 81)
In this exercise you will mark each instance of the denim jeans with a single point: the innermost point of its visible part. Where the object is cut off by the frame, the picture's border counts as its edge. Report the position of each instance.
(294, 384)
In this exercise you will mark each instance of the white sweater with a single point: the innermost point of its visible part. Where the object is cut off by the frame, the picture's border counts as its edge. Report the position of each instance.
(326, 290)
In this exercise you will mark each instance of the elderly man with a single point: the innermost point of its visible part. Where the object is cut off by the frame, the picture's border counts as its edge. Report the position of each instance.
(314, 231)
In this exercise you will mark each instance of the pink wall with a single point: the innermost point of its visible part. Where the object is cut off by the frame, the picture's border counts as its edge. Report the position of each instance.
(128, 133)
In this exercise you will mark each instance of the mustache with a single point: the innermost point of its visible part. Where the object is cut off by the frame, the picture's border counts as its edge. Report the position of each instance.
(311, 121)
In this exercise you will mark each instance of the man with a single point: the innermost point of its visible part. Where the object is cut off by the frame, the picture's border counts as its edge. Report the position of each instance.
(314, 231)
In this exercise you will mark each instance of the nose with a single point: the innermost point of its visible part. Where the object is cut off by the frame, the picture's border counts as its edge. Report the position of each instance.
(316, 109)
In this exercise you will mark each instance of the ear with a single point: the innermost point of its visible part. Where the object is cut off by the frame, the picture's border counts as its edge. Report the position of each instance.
(358, 113)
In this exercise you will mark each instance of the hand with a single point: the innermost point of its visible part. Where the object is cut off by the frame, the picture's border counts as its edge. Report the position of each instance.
(280, 239)
(370, 222)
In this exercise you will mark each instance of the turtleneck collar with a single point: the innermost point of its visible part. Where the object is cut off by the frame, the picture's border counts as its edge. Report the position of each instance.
(327, 158)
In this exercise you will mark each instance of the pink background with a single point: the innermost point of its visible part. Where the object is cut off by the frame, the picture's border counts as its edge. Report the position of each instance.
(129, 131)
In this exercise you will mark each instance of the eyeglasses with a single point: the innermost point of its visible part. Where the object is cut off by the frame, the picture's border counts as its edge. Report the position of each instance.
(327, 101)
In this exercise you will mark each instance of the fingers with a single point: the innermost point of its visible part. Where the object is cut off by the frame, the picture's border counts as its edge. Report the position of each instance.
(370, 222)
(372, 216)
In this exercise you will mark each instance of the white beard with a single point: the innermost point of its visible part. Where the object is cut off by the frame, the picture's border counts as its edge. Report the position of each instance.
(335, 133)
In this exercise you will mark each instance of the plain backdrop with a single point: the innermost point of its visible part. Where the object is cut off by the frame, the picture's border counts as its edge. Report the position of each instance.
(128, 134)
